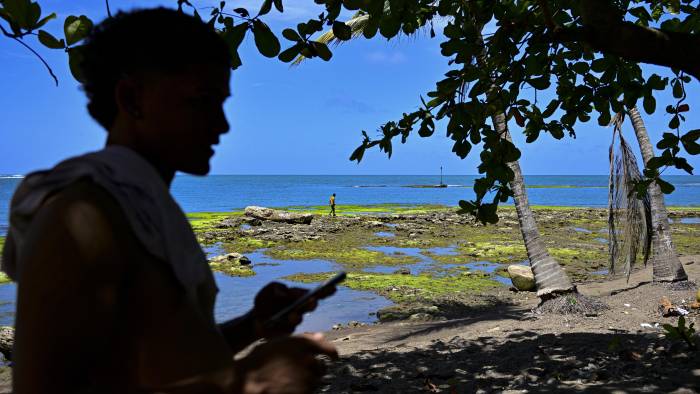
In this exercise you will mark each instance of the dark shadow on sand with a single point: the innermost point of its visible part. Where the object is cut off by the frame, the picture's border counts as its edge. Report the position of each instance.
(524, 360)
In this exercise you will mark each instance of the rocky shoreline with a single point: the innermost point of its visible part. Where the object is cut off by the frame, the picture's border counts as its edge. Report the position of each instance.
(382, 236)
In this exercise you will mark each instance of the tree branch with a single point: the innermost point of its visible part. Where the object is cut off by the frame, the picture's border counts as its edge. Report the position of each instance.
(24, 44)
(605, 30)
(109, 12)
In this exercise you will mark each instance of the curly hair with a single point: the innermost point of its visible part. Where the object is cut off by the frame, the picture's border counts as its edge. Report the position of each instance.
(157, 39)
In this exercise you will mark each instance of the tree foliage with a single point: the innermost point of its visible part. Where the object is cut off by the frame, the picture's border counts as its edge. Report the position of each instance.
(582, 55)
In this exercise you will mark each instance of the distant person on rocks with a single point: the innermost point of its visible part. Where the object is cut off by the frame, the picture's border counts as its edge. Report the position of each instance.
(114, 294)
(332, 202)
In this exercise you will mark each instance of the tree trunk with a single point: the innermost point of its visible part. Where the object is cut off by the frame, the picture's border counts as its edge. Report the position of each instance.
(667, 266)
(550, 278)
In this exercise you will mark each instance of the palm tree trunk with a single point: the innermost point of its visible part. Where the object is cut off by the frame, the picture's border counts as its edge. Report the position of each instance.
(667, 267)
(550, 278)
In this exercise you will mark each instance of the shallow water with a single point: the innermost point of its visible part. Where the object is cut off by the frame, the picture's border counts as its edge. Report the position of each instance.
(384, 234)
(236, 294)
(582, 230)
(685, 220)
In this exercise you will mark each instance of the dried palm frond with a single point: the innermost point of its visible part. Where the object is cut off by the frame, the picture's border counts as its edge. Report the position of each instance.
(357, 24)
(629, 214)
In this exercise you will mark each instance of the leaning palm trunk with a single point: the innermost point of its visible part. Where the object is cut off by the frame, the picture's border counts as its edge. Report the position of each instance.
(629, 217)
(550, 278)
(666, 265)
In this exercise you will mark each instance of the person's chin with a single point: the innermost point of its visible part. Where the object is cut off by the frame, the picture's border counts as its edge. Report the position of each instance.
(198, 169)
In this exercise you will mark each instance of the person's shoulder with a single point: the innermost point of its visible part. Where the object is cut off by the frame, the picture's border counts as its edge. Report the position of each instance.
(88, 214)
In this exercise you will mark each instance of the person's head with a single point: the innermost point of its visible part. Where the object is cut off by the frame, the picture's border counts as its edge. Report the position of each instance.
(333, 194)
(156, 80)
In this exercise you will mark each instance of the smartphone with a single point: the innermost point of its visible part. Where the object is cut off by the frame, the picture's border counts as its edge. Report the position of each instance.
(305, 298)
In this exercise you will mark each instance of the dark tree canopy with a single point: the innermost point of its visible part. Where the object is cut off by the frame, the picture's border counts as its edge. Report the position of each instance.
(503, 53)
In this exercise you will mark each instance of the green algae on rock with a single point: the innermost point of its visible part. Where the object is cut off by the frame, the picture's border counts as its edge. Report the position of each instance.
(350, 256)
(404, 288)
(232, 264)
(3, 277)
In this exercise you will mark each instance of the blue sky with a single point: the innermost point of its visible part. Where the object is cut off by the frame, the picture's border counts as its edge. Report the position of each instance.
(301, 120)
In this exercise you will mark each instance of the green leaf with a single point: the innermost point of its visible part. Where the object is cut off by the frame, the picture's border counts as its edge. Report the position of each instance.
(76, 28)
(265, 40)
(371, 28)
(389, 26)
(580, 67)
(427, 128)
(691, 147)
(50, 41)
(540, 83)
(233, 37)
(666, 188)
(75, 58)
(322, 50)
(599, 65)
(278, 5)
(291, 35)
(675, 122)
(682, 164)
(551, 107)
(290, 53)
(45, 19)
(17, 13)
(677, 89)
(692, 135)
(668, 140)
(342, 31)
(358, 153)
(266, 7)
(649, 104)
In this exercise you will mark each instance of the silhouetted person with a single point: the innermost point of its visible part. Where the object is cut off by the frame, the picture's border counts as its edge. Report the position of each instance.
(332, 203)
(114, 293)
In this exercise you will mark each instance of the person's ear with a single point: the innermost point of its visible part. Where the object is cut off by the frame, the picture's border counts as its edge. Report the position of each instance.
(128, 95)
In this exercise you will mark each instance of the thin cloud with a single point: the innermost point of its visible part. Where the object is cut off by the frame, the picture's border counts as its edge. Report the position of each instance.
(384, 57)
(350, 104)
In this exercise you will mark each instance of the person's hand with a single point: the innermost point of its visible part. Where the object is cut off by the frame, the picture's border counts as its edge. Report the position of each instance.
(273, 298)
(285, 365)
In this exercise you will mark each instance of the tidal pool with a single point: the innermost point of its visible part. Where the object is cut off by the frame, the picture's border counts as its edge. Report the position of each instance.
(236, 294)
(685, 220)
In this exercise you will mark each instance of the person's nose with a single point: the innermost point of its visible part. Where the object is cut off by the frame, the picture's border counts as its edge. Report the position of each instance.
(222, 125)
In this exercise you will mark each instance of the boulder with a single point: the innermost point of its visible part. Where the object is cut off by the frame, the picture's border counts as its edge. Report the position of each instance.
(7, 338)
(276, 215)
(522, 277)
(403, 271)
(234, 264)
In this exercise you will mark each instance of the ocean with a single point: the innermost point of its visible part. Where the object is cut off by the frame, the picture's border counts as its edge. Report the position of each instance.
(226, 192)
